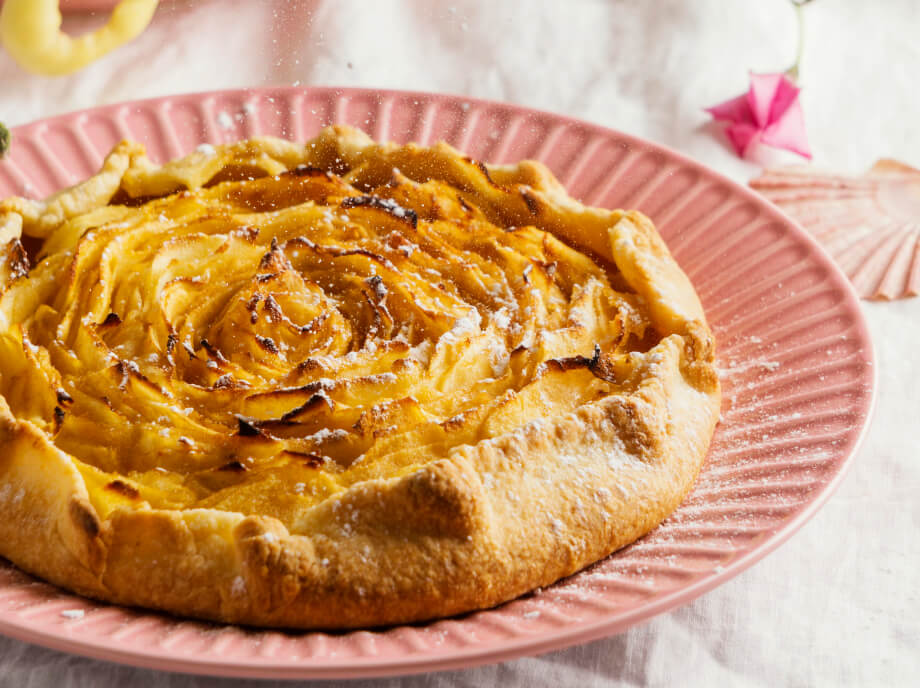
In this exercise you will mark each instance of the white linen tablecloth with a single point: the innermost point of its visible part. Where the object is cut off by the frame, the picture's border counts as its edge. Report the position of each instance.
(835, 606)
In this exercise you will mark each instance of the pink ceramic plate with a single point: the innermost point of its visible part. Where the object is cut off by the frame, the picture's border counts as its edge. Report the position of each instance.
(795, 353)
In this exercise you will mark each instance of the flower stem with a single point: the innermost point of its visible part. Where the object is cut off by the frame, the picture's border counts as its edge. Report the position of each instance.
(793, 71)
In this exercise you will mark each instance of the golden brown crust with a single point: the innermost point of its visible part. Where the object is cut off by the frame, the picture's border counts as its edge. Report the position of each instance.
(482, 524)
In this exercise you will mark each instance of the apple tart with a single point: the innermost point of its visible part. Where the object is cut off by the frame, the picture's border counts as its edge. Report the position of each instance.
(337, 384)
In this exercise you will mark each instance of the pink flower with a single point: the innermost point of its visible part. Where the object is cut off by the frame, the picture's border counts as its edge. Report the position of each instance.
(769, 112)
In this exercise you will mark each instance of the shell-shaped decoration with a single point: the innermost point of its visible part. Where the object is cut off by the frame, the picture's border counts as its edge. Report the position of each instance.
(869, 223)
